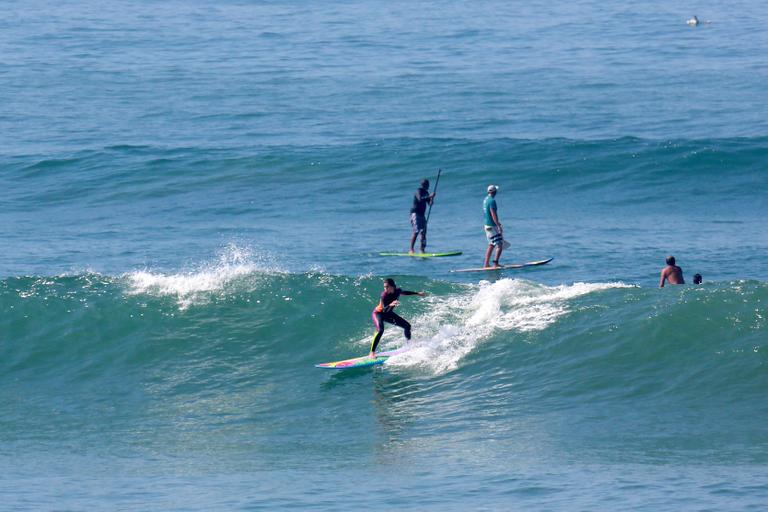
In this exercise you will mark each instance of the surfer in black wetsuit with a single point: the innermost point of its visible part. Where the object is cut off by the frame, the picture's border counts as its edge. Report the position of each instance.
(384, 312)
(421, 199)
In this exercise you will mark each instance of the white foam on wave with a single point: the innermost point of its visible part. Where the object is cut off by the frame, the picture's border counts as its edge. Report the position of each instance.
(197, 285)
(461, 322)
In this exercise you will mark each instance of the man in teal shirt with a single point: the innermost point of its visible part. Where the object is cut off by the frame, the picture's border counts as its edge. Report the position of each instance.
(493, 229)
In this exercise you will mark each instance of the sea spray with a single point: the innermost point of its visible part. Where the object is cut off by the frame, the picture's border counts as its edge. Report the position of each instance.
(207, 279)
(461, 322)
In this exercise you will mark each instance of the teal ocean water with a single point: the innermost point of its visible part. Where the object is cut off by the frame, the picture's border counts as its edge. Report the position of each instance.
(194, 197)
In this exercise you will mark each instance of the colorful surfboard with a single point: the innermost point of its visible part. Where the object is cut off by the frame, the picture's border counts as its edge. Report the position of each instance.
(506, 267)
(361, 362)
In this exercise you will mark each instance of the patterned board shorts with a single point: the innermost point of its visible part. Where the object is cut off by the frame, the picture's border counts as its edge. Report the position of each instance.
(494, 236)
(418, 222)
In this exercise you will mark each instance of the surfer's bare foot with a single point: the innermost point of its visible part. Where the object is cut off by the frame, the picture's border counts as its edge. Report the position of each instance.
(372, 355)
(496, 264)
(410, 252)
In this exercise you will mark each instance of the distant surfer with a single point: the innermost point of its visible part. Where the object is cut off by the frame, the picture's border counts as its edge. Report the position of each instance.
(671, 273)
(697, 279)
(695, 22)
(384, 312)
(421, 199)
(493, 229)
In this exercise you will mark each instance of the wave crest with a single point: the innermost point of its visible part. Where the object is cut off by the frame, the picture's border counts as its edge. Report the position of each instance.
(462, 322)
(197, 285)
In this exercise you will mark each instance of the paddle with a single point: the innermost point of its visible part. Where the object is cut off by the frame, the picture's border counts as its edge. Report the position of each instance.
(437, 181)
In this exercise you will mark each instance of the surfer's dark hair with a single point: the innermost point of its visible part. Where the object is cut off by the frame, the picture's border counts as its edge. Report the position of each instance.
(670, 260)
(424, 183)
(390, 282)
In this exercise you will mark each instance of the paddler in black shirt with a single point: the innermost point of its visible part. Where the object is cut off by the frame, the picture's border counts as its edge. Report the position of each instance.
(418, 221)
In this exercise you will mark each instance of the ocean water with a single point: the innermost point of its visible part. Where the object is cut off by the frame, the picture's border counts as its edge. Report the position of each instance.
(194, 196)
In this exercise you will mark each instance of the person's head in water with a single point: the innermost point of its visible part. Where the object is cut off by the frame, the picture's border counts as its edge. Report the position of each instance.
(425, 184)
(697, 279)
(671, 260)
(389, 284)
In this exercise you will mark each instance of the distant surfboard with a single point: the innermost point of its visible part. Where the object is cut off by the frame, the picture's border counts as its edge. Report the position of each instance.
(506, 267)
(361, 362)
(422, 254)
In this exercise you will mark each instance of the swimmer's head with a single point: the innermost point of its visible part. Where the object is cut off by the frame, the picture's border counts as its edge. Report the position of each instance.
(670, 260)
(697, 279)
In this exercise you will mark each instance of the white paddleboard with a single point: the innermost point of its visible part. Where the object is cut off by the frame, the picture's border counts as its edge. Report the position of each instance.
(506, 267)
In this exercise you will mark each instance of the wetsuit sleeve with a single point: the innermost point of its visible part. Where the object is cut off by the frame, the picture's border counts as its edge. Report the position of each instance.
(406, 292)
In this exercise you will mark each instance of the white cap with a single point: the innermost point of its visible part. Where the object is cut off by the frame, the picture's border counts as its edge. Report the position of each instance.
(493, 188)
